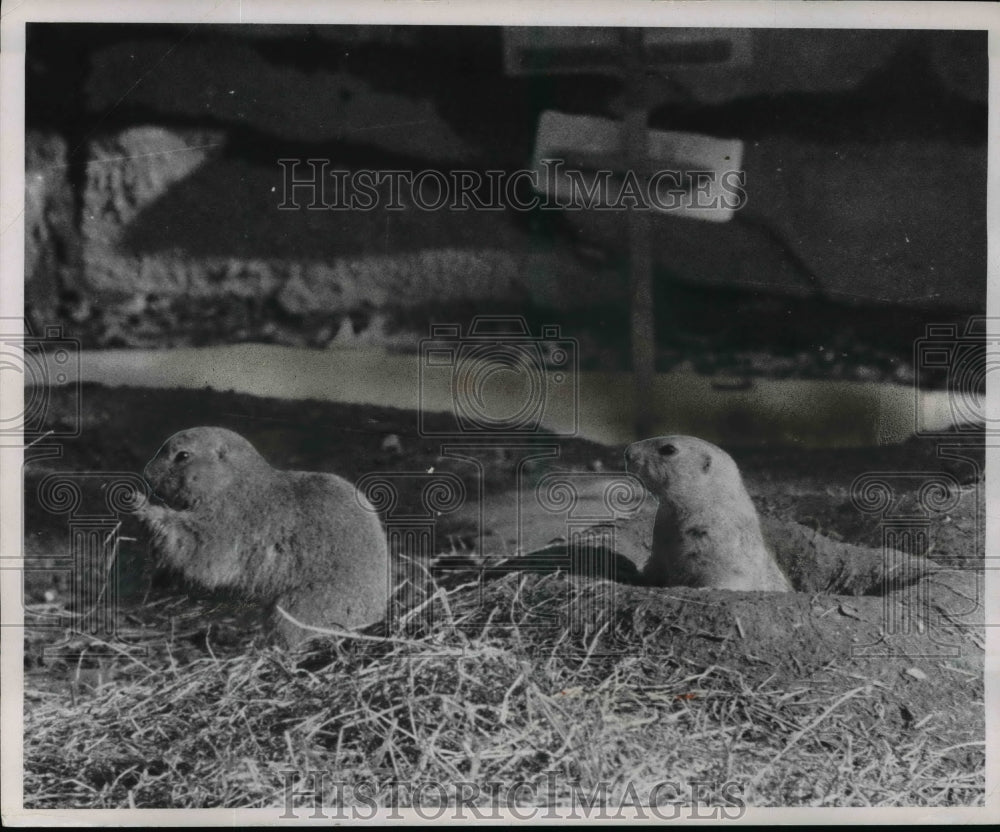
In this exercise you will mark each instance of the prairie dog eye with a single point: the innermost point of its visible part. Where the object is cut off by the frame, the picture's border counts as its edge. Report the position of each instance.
(180, 456)
(667, 450)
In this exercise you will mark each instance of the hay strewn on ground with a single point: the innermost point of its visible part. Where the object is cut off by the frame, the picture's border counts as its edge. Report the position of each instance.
(503, 692)
(188, 710)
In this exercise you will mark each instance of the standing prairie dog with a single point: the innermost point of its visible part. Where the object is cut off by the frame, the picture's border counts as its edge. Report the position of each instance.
(707, 532)
(299, 540)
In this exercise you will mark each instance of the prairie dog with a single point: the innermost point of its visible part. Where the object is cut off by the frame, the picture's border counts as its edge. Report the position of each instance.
(707, 531)
(304, 541)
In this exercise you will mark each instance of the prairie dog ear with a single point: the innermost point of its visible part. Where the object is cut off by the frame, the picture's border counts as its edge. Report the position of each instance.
(706, 463)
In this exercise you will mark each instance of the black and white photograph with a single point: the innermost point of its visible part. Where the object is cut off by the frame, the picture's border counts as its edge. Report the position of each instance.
(436, 413)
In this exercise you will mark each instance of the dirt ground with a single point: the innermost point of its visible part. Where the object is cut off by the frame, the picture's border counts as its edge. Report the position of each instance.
(907, 655)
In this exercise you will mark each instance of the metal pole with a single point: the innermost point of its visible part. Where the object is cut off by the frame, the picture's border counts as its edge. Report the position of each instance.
(636, 147)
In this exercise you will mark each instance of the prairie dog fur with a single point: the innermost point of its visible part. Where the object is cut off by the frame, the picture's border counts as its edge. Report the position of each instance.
(707, 532)
(304, 541)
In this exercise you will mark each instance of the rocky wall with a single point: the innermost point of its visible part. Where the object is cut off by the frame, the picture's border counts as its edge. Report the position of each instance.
(160, 199)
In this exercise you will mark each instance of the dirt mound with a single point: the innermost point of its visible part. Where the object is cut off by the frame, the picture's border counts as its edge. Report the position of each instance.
(801, 698)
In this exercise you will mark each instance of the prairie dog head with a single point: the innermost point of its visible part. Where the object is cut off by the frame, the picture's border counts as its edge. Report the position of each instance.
(684, 468)
(199, 463)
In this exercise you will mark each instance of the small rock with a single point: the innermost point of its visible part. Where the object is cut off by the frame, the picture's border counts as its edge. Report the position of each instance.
(345, 334)
(135, 305)
(392, 444)
(81, 311)
(903, 374)
(848, 611)
(324, 336)
(865, 372)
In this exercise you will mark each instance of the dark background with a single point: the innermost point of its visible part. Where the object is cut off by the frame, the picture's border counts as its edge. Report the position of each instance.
(151, 220)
